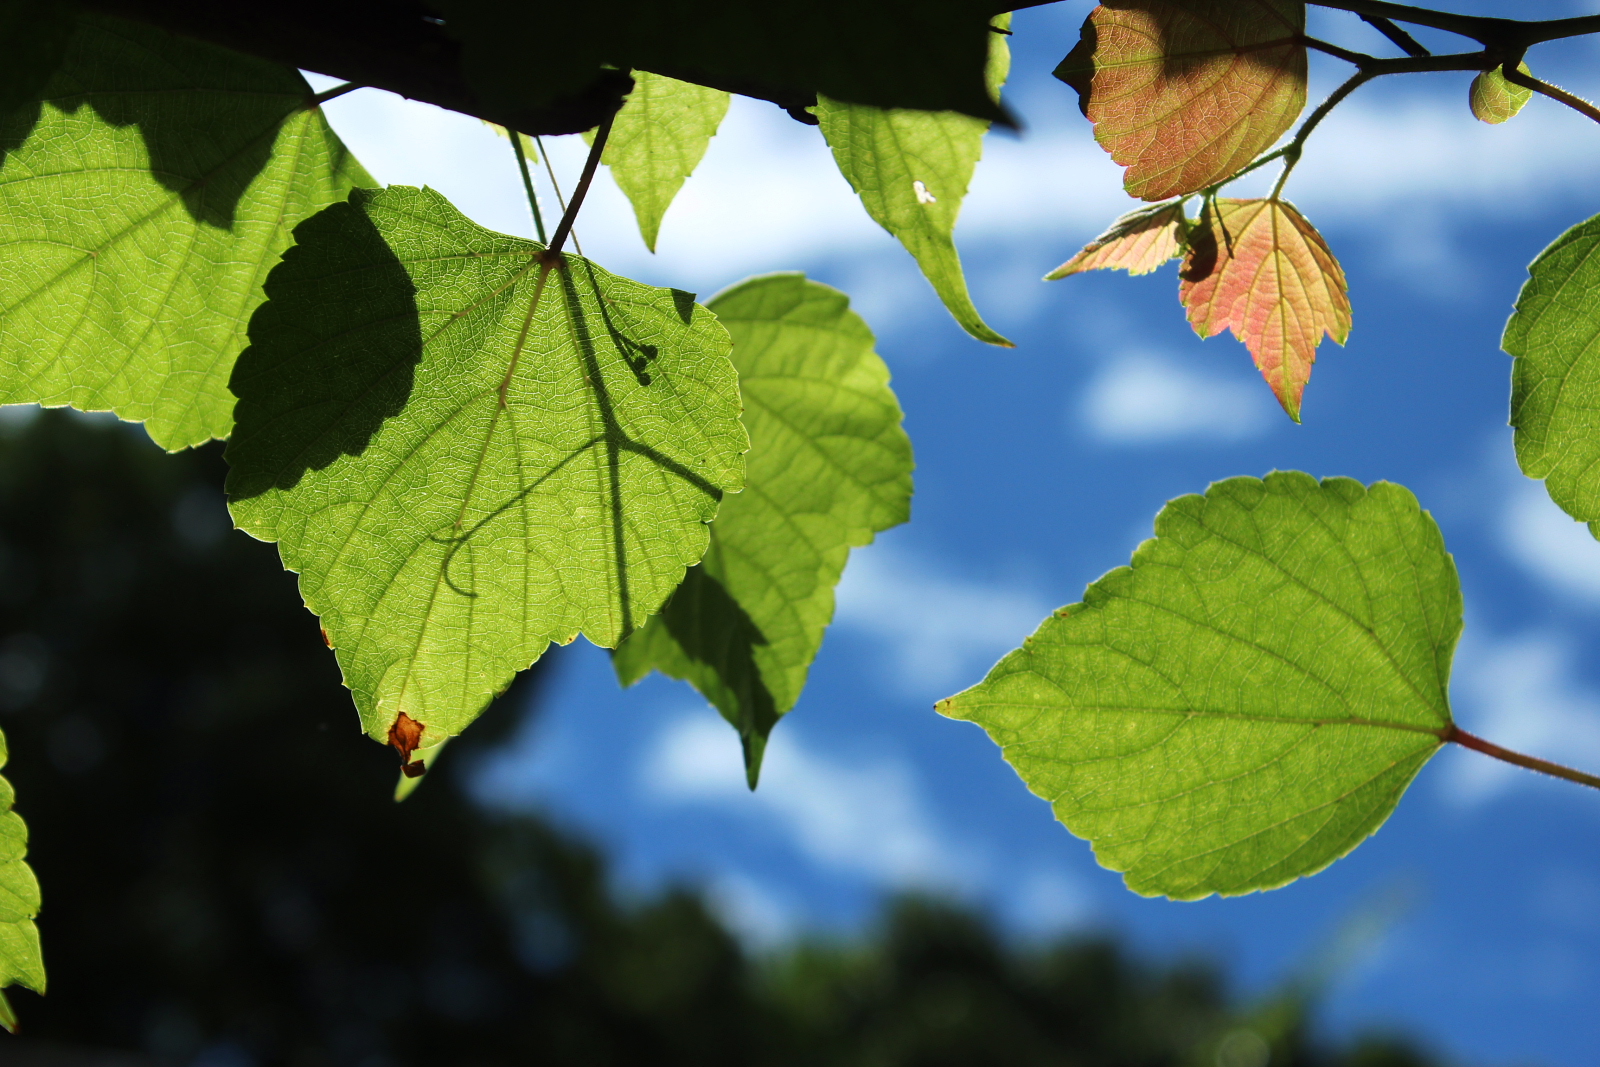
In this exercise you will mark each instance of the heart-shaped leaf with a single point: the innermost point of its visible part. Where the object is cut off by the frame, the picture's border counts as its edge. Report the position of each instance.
(1247, 702)
(469, 449)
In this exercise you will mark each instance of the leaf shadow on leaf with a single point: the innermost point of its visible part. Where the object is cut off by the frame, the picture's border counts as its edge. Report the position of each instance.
(615, 439)
(333, 353)
(714, 629)
(209, 117)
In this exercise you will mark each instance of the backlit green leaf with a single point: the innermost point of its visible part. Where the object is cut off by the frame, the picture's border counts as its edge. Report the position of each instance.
(1555, 378)
(657, 140)
(1494, 99)
(829, 467)
(142, 202)
(1247, 702)
(911, 170)
(20, 960)
(467, 452)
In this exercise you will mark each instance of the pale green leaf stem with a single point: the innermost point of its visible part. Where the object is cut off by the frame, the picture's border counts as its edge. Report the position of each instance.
(829, 467)
(1247, 702)
(911, 170)
(143, 199)
(657, 140)
(1554, 336)
(21, 962)
(468, 449)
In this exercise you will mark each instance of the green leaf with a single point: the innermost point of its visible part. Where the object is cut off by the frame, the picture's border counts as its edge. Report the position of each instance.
(911, 170)
(1247, 702)
(1494, 99)
(829, 467)
(142, 202)
(467, 449)
(21, 962)
(657, 140)
(1554, 335)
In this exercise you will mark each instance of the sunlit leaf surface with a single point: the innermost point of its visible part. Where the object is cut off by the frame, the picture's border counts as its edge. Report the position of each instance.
(829, 467)
(1184, 93)
(1247, 702)
(468, 450)
(143, 199)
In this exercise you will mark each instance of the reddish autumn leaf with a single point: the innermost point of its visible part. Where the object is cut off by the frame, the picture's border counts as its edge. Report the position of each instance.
(1258, 268)
(1138, 243)
(1185, 93)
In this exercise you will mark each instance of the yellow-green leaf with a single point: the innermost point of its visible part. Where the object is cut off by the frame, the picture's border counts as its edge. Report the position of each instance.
(911, 170)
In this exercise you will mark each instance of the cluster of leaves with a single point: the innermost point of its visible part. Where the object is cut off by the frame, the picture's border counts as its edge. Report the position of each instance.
(469, 445)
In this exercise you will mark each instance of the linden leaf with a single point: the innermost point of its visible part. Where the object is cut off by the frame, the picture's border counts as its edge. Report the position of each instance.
(657, 140)
(21, 962)
(1185, 93)
(1138, 243)
(144, 195)
(1494, 98)
(911, 170)
(468, 449)
(1258, 268)
(829, 467)
(1554, 335)
(1248, 700)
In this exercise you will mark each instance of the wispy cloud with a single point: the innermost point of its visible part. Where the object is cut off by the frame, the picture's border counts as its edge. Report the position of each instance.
(1548, 543)
(866, 819)
(941, 631)
(1150, 399)
(1523, 693)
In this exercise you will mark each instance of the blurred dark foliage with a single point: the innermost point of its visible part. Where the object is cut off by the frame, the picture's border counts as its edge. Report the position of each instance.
(228, 882)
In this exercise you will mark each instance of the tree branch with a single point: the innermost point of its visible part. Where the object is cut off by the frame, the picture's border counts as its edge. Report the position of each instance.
(389, 46)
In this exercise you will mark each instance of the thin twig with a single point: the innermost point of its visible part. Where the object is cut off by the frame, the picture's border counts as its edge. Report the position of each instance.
(1533, 763)
(1400, 38)
(1291, 151)
(334, 93)
(1555, 92)
(527, 183)
(590, 165)
(1360, 59)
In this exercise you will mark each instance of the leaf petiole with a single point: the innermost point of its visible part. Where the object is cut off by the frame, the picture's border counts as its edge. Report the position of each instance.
(1532, 763)
(590, 165)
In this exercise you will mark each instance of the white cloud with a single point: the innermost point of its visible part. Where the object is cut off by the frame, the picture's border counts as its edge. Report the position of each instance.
(1525, 695)
(752, 910)
(941, 631)
(1146, 398)
(1548, 543)
(865, 819)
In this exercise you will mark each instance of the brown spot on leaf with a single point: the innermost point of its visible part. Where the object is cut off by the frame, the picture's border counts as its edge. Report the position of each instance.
(405, 735)
(414, 769)
(325, 638)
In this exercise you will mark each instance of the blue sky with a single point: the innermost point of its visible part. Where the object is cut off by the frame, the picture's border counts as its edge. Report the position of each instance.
(1041, 468)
